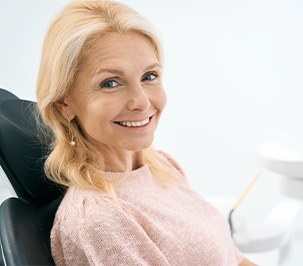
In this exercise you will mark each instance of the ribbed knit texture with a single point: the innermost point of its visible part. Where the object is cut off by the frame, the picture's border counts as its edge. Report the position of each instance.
(151, 225)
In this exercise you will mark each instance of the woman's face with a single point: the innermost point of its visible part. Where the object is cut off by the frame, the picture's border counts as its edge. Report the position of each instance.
(118, 95)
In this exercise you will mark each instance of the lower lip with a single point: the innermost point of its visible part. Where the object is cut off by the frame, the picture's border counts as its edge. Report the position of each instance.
(137, 128)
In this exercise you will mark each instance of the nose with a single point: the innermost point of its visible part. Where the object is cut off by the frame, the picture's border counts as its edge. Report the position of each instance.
(138, 99)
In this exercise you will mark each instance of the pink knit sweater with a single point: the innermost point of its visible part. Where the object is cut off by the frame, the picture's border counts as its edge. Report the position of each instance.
(151, 225)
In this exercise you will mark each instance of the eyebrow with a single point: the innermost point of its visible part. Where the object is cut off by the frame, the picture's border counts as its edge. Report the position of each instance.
(118, 72)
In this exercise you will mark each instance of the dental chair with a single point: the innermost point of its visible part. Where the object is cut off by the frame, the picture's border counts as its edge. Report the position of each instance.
(26, 218)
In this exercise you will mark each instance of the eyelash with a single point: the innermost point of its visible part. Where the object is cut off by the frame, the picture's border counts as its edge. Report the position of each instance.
(102, 84)
(150, 73)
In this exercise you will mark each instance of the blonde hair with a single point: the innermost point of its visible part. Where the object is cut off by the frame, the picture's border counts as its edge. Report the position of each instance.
(69, 37)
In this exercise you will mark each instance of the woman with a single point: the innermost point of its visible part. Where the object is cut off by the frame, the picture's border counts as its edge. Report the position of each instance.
(100, 90)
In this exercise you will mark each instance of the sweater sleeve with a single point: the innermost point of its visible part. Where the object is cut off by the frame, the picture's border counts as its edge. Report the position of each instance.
(102, 233)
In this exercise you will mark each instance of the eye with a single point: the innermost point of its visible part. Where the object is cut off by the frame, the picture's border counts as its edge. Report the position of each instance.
(109, 84)
(150, 76)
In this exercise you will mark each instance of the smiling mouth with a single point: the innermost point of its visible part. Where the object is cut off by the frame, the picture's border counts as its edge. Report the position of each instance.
(134, 123)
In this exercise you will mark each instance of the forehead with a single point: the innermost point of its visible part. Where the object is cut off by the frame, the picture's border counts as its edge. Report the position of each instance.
(116, 47)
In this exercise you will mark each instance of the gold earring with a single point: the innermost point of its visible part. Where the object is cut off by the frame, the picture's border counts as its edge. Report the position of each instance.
(72, 142)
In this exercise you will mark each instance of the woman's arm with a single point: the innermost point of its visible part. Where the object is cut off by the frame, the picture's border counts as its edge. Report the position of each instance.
(246, 262)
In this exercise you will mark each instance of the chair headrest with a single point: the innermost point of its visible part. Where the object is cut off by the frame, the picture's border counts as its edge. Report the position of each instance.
(6, 95)
(22, 153)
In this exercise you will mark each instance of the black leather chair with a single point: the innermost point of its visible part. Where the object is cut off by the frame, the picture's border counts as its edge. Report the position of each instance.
(26, 221)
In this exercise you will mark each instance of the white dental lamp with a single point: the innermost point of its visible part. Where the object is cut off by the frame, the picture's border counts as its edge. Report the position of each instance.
(285, 158)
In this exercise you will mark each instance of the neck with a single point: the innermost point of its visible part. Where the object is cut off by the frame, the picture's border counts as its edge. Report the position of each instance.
(120, 162)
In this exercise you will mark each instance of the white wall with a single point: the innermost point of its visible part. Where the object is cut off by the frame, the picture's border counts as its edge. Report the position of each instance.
(233, 79)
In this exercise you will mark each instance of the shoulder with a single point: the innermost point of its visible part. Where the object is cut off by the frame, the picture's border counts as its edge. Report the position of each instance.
(84, 214)
(80, 204)
(86, 222)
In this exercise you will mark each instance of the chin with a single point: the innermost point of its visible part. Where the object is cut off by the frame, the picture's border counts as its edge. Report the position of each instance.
(139, 146)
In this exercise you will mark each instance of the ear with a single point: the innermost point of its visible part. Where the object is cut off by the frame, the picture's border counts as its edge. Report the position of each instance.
(65, 108)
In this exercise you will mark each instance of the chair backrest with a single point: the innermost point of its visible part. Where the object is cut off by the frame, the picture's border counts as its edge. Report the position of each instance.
(5, 95)
(22, 152)
(26, 221)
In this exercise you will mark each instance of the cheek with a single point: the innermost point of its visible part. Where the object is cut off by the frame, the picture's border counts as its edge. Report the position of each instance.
(161, 100)
(92, 116)
(102, 114)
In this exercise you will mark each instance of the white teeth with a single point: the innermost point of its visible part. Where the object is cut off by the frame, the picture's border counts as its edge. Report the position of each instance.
(134, 124)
